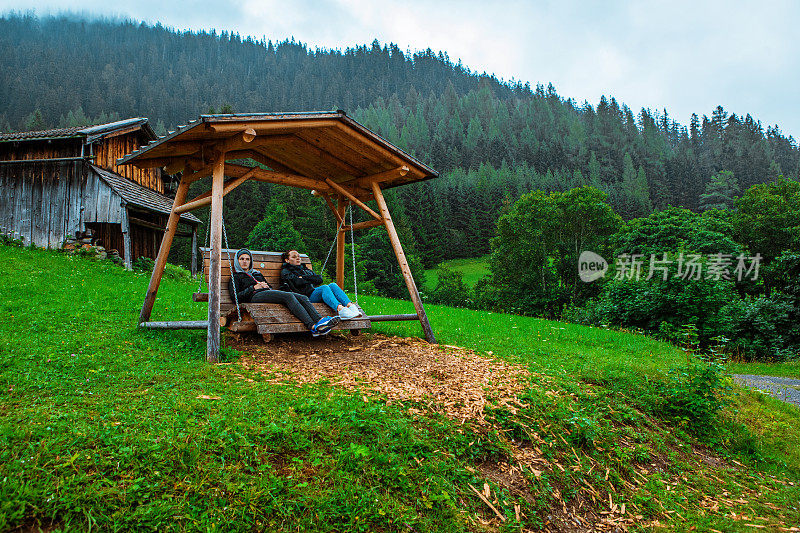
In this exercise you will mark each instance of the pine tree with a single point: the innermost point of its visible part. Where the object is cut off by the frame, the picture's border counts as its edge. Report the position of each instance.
(275, 232)
(721, 191)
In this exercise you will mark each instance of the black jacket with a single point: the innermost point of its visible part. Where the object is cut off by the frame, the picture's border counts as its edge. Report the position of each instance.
(299, 279)
(245, 283)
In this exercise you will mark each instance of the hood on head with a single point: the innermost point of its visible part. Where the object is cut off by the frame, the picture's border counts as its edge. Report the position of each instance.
(236, 266)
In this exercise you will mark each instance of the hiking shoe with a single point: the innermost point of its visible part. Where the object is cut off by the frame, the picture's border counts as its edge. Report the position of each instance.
(325, 325)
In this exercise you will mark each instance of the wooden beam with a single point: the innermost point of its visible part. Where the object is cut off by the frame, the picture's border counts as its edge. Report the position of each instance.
(329, 201)
(236, 142)
(341, 205)
(387, 175)
(163, 252)
(214, 268)
(179, 324)
(272, 125)
(205, 198)
(125, 226)
(364, 225)
(401, 260)
(293, 180)
(391, 318)
(305, 147)
(341, 190)
(152, 163)
(260, 157)
(151, 225)
(146, 224)
(178, 165)
(203, 172)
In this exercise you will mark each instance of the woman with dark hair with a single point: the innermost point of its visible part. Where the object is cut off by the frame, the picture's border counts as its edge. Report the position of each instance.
(249, 285)
(301, 280)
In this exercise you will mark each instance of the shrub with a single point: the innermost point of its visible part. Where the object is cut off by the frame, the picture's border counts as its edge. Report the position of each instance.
(761, 327)
(661, 306)
(695, 393)
(450, 289)
(143, 264)
(176, 272)
(10, 240)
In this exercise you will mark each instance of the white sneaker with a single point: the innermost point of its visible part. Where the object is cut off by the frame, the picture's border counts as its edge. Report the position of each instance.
(353, 309)
(347, 313)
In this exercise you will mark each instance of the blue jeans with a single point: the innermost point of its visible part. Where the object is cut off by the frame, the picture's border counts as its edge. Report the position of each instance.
(331, 294)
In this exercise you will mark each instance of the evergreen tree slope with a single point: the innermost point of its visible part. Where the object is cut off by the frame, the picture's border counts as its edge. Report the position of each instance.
(493, 141)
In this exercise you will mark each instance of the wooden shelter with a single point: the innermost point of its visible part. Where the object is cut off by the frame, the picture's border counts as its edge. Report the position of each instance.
(63, 182)
(327, 153)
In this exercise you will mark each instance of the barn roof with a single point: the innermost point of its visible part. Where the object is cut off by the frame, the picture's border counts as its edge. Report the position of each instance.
(311, 145)
(138, 195)
(90, 133)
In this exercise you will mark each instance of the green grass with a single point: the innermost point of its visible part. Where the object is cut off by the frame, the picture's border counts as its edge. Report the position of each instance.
(790, 369)
(102, 425)
(473, 270)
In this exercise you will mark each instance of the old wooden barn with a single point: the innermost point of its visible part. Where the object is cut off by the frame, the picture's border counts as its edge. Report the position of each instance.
(63, 182)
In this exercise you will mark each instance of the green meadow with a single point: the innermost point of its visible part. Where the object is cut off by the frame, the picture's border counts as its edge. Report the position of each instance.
(473, 269)
(104, 426)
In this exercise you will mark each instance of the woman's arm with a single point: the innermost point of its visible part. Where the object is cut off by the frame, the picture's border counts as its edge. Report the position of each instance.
(314, 279)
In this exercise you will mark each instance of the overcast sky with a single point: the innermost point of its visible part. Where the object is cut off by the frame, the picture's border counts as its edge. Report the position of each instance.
(685, 56)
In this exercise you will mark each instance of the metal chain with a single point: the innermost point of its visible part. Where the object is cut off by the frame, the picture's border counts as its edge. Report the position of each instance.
(230, 266)
(203, 270)
(332, 245)
(353, 254)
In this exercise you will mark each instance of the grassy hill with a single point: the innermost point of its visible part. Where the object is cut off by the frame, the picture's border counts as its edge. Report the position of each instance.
(473, 269)
(105, 426)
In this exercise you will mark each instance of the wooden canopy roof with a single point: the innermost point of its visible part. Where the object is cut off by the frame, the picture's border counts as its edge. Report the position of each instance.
(302, 149)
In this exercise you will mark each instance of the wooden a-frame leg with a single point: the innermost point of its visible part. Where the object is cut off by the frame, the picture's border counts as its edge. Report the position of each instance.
(215, 264)
(401, 260)
(163, 252)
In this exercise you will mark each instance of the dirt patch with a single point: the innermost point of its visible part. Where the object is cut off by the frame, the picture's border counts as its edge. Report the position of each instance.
(460, 384)
(453, 381)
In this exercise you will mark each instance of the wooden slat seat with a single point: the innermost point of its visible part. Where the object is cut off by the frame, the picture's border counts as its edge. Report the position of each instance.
(264, 318)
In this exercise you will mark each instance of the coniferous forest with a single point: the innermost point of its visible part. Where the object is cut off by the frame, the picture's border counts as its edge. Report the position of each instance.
(492, 141)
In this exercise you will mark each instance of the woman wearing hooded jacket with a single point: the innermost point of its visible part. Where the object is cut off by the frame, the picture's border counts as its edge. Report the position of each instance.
(249, 285)
(303, 281)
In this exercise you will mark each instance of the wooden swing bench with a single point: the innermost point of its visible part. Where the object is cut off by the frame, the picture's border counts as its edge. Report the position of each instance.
(263, 318)
(327, 153)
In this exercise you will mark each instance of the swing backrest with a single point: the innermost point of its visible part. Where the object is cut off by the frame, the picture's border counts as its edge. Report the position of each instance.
(268, 263)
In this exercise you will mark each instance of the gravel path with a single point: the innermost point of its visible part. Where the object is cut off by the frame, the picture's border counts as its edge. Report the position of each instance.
(786, 389)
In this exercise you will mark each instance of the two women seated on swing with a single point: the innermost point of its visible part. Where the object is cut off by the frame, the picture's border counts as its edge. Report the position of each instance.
(301, 280)
(249, 285)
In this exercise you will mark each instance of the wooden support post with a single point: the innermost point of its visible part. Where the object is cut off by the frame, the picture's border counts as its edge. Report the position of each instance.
(126, 239)
(193, 262)
(163, 252)
(215, 263)
(401, 260)
(340, 236)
